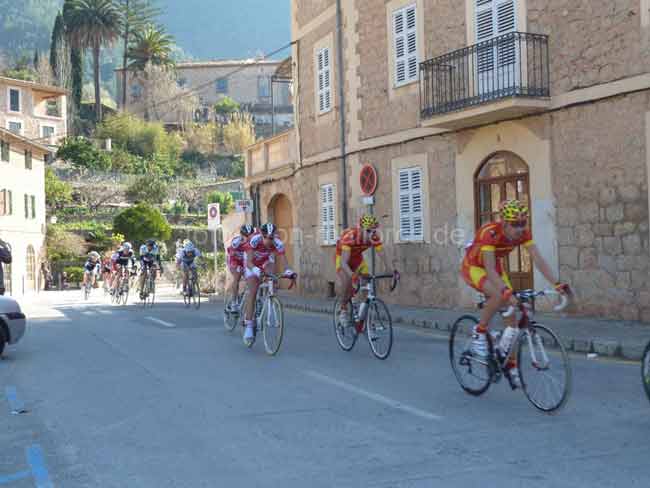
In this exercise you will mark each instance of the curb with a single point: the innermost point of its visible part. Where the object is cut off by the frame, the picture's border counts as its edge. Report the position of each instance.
(601, 347)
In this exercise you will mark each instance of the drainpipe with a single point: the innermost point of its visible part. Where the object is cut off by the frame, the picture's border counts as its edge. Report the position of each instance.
(339, 65)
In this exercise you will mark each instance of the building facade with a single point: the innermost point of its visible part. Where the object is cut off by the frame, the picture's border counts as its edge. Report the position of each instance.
(22, 210)
(248, 82)
(34, 111)
(458, 106)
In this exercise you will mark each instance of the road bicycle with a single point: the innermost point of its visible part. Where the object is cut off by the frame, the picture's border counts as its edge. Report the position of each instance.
(192, 292)
(148, 292)
(645, 369)
(542, 359)
(269, 312)
(88, 286)
(370, 316)
(233, 310)
(120, 293)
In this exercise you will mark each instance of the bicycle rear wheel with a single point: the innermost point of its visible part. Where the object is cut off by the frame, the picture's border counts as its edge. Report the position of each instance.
(544, 368)
(379, 328)
(473, 373)
(272, 320)
(346, 334)
(645, 370)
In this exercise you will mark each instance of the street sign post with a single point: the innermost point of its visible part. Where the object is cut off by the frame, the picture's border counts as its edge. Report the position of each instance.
(214, 222)
(244, 206)
(368, 181)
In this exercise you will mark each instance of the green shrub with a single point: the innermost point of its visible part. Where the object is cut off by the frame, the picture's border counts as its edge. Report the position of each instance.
(75, 274)
(142, 222)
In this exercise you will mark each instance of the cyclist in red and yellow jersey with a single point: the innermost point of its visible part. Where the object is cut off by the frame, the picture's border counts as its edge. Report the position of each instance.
(483, 269)
(349, 257)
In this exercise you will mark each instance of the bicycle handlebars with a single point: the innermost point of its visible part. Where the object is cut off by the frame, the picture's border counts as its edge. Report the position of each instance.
(525, 295)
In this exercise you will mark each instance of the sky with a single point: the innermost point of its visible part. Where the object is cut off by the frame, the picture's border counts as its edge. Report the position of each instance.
(219, 29)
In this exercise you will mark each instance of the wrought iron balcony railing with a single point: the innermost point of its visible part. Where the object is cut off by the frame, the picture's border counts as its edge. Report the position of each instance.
(512, 65)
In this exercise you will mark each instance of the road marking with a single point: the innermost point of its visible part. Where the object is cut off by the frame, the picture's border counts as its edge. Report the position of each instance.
(88, 312)
(14, 477)
(161, 322)
(374, 396)
(36, 462)
(105, 312)
(16, 404)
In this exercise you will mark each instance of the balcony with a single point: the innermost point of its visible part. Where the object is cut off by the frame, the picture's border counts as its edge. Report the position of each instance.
(503, 78)
(272, 158)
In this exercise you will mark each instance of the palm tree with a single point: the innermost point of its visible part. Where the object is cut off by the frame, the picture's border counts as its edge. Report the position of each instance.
(151, 47)
(93, 24)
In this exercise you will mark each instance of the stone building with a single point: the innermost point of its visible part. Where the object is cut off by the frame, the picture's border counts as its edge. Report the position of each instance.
(247, 81)
(32, 110)
(459, 105)
(22, 209)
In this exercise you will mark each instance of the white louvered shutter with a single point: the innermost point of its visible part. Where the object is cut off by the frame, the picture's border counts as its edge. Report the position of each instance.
(485, 31)
(411, 205)
(406, 45)
(505, 22)
(324, 80)
(327, 223)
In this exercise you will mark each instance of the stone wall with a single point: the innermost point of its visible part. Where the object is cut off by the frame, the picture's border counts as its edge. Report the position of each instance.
(304, 11)
(590, 41)
(600, 181)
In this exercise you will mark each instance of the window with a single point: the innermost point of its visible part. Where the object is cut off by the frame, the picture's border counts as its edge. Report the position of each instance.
(411, 213)
(14, 100)
(4, 151)
(28, 159)
(222, 85)
(263, 87)
(406, 45)
(324, 80)
(30, 207)
(52, 108)
(47, 131)
(15, 126)
(136, 92)
(495, 18)
(327, 215)
(6, 204)
(181, 82)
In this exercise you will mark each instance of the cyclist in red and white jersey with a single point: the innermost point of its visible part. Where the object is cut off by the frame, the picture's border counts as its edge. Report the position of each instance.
(236, 254)
(260, 257)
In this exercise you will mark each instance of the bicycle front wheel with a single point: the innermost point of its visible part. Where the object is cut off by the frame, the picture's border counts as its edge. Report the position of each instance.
(231, 318)
(86, 291)
(473, 373)
(272, 320)
(346, 334)
(544, 368)
(151, 292)
(379, 327)
(196, 294)
(125, 291)
(645, 370)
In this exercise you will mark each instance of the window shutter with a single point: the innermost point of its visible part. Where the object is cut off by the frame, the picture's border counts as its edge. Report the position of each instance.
(327, 224)
(411, 206)
(505, 24)
(324, 80)
(10, 202)
(406, 46)
(3, 202)
(26, 206)
(33, 202)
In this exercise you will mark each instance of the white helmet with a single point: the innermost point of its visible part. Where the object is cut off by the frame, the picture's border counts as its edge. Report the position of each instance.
(189, 247)
(127, 246)
(93, 254)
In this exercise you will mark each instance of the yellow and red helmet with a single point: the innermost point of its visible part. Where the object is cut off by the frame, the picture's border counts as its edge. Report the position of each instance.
(368, 221)
(514, 211)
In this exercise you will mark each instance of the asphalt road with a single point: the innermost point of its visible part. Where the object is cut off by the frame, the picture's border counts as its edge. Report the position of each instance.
(125, 397)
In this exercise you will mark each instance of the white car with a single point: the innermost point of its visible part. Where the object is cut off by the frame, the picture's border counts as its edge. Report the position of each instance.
(12, 322)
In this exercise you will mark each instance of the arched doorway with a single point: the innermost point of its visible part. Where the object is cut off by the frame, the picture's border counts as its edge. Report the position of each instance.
(30, 267)
(280, 212)
(504, 176)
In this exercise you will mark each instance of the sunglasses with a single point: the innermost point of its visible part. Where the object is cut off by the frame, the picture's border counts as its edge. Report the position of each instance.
(519, 224)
